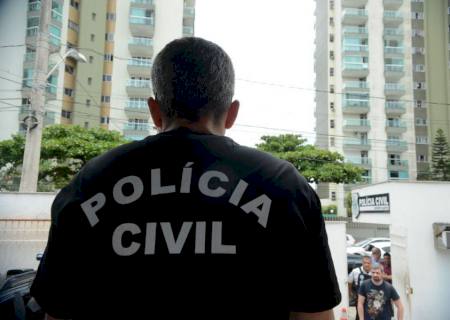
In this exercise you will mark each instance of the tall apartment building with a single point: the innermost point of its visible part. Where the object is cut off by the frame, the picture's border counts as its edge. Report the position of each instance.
(365, 106)
(119, 40)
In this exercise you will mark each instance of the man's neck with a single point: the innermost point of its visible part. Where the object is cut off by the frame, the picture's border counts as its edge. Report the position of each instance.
(202, 126)
(377, 283)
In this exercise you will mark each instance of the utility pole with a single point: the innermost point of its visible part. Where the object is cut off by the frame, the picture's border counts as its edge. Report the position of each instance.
(35, 122)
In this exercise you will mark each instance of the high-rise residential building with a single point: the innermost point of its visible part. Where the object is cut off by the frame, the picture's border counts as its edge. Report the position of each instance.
(365, 97)
(119, 40)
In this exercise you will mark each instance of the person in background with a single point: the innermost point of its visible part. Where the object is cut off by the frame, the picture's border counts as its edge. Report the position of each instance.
(375, 298)
(356, 278)
(387, 275)
(376, 256)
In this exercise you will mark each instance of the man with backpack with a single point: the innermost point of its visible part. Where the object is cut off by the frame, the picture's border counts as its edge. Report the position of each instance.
(356, 277)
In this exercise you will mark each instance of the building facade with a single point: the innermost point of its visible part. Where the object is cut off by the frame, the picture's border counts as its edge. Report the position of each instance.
(119, 40)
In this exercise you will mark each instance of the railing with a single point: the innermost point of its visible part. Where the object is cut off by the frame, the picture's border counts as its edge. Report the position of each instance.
(140, 62)
(51, 88)
(352, 12)
(397, 143)
(393, 32)
(394, 67)
(356, 85)
(395, 124)
(34, 6)
(355, 103)
(189, 11)
(356, 65)
(188, 30)
(356, 47)
(359, 160)
(393, 14)
(388, 49)
(141, 20)
(147, 2)
(394, 87)
(356, 123)
(138, 83)
(356, 142)
(139, 41)
(394, 105)
(136, 126)
(56, 16)
(137, 104)
(32, 31)
(358, 30)
(398, 163)
(30, 56)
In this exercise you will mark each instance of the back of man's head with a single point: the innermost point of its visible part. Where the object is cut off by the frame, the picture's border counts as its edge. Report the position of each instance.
(192, 78)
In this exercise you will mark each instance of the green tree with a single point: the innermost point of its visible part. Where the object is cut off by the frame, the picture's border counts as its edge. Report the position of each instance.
(65, 149)
(315, 164)
(440, 157)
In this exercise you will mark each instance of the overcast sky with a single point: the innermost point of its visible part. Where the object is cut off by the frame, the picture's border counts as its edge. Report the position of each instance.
(270, 42)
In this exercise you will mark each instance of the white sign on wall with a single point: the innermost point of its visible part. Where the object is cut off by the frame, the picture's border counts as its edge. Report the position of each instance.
(376, 203)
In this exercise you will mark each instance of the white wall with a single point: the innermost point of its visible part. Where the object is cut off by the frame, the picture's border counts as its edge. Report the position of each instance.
(416, 263)
(168, 23)
(12, 25)
(336, 231)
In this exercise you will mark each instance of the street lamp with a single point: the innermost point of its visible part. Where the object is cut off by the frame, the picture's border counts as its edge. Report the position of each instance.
(35, 122)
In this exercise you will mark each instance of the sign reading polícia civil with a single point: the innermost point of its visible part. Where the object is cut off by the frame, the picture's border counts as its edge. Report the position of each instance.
(376, 203)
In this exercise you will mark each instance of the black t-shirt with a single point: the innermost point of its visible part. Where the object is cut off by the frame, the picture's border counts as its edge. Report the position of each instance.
(378, 305)
(186, 225)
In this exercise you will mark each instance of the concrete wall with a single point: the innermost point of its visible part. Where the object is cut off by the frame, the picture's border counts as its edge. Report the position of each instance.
(23, 229)
(338, 246)
(420, 271)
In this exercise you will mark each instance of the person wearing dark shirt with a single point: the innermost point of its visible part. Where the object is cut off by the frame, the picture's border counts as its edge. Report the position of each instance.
(187, 224)
(375, 298)
(387, 269)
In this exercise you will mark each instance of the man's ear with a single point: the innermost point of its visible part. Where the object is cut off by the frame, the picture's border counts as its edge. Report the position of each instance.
(232, 114)
(155, 112)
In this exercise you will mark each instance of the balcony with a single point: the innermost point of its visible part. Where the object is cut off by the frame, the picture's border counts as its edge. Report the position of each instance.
(29, 59)
(396, 145)
(395, 164)
(355, 31)
(355, 106)
(139, 67)
(139, 88)
(356, 86)
(356, 49)
(34, 10)
(395, 107)
(393, 51)
(31, 39)
(392, 18)
(188, 31)
(356, 144)
(394, 89)
(354, 16)
(142, 26)
(137, 109)
(141, 47)
(392, 4)
(355, 69)
(396, 175)
(394, 71)
(393, 33)
(359, 161)
(136, 129)
(359, 125)
(147, 4)
(395, 126)
(354, 3)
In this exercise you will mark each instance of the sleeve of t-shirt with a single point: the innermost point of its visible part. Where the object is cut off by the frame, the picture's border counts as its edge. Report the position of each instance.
(310, 269)
(53, 286)
(363, 289)
(394, 294)
(351, 276)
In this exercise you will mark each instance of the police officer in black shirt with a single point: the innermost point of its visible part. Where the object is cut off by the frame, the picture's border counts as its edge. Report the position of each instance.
(187, 224)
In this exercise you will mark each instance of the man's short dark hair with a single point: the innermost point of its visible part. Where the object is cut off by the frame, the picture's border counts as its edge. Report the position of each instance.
(191, 78)
(386, 254)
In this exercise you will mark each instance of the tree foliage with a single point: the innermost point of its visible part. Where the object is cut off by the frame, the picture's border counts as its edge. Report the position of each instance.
(315, 164)
(65, 149)
(440, 157)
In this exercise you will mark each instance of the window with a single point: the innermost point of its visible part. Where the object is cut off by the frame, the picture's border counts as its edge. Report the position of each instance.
(92, 37)
(332, 106)
(107, 77)
(419, 68)
(106, 99)
(331, 4)
(104, 120)
(109, 36)
(331, 72)
(109, 57)
(333, 196)
(66, 114)
(331, 123)
(421, 140)
(69, 69)
(332, 141)
(91, 59)
(94, 15)
(110, 16)
(89, 80)
(394, 174)
(68, 92)
(331, 38)
(417, 33)
(331, 55)
(419, 85)
(86, 125)
(88, 103)
(422, 158)
(421, 122)
(417, 15)
(75, 4)
(331, 21)
(331, 88)
(74, 26)
(419, 104)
